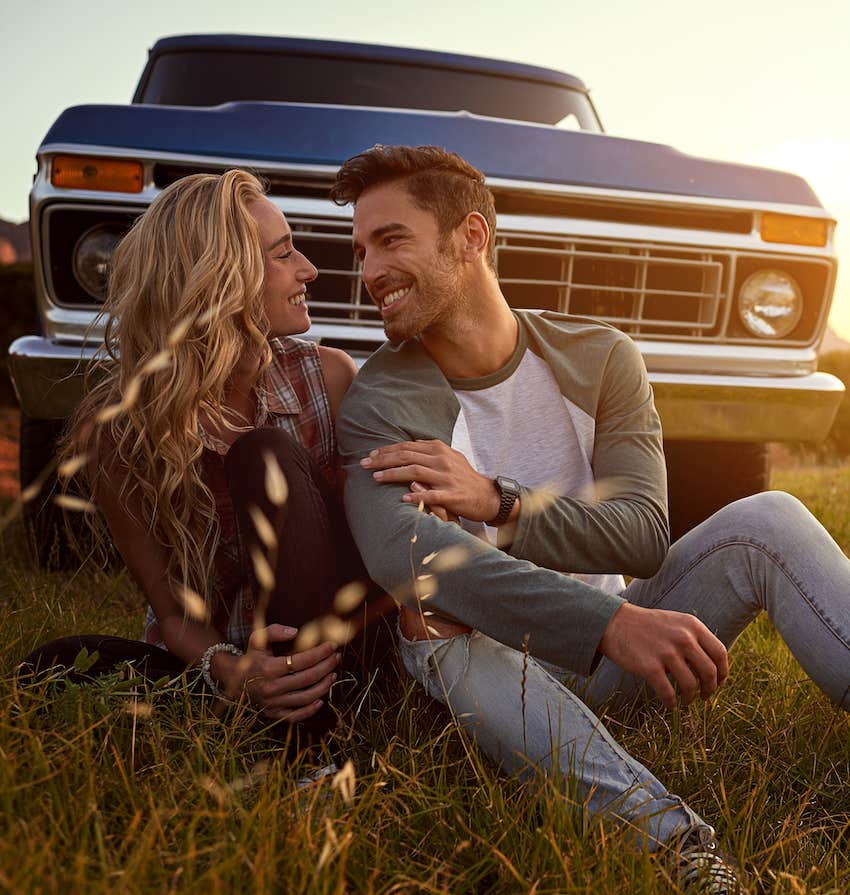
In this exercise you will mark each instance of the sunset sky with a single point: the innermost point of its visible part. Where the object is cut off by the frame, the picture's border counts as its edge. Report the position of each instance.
(741, 80)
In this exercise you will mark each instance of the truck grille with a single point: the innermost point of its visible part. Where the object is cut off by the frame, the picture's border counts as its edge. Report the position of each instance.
(641, 289)
(638, 288)
(338, 295)
(650, 290)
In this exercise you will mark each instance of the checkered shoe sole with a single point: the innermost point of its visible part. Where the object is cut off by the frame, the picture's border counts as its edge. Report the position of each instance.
(703, 871)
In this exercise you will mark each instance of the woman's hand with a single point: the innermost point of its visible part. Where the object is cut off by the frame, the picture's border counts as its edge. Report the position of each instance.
(288, 688)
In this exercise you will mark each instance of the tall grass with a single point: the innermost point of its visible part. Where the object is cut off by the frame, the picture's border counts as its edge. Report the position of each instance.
(119, 786)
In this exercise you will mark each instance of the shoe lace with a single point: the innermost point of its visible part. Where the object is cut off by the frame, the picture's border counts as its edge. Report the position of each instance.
(703, 871)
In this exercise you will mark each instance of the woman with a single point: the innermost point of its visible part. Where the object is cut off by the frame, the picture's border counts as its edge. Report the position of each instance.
(204, 400)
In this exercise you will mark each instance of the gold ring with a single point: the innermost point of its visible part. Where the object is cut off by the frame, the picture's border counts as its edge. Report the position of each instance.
(289, 668)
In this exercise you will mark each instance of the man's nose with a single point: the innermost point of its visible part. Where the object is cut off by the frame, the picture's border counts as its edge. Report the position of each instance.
(372, 272)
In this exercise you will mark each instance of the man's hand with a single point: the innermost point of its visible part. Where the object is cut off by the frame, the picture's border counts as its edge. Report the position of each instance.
(284, 690)
(653, 643)
(449, 481)
(434, 509)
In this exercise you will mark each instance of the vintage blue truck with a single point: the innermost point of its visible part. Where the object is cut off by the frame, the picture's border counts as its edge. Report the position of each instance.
(723, 274)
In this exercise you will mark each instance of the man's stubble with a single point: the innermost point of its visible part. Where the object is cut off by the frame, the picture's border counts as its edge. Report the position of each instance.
(440, 301)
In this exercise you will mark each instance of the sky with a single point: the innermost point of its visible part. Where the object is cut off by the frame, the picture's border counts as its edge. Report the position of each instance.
(751, 81)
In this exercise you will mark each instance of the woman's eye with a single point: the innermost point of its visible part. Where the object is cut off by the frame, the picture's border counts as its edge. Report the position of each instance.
(284, 257)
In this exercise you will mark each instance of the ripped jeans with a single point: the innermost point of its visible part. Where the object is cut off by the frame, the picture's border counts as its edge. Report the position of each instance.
(764, 553)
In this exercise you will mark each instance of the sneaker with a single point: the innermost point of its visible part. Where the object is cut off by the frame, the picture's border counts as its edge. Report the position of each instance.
(317, 776)
(311, 794)
(702, 870)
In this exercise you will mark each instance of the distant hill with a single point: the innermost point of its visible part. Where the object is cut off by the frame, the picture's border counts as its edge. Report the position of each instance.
(18, 237)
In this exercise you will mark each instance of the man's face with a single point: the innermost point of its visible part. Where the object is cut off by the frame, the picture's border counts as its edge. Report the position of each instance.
(413, 278)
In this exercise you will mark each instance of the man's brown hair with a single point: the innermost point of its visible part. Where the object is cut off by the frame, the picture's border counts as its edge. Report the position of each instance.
(438, 181)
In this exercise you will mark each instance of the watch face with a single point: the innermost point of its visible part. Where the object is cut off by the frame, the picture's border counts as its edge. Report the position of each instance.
(508, 494)
(506, 484)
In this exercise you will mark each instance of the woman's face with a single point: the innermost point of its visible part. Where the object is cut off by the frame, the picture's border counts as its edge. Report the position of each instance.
(287, 272)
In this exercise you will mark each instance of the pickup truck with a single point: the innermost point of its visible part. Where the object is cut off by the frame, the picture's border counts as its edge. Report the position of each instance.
(723, 274)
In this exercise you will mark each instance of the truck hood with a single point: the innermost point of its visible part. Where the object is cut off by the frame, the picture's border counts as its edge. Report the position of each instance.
(327, 135)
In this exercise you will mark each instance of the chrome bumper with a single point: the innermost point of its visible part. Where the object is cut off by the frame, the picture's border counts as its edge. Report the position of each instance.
(48, 379)
(695, 407)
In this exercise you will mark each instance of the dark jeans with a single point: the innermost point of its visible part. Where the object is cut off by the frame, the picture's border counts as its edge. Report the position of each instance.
(317, 556)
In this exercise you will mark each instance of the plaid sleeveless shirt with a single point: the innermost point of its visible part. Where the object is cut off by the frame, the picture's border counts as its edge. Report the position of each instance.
(292, 397)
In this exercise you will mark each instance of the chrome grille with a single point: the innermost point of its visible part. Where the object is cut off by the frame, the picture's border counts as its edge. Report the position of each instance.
(338, 295)
(640, 288)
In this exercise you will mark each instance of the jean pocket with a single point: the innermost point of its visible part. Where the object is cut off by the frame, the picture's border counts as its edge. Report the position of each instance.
(436, 664)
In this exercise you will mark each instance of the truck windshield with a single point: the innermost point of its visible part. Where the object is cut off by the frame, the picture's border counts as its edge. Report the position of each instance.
(208, 78)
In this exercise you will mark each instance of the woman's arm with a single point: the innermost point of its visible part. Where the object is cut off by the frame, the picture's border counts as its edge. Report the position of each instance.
(282, 694)
(338, 370)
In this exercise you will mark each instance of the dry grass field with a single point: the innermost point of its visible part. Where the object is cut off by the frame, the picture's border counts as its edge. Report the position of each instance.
(118, 786)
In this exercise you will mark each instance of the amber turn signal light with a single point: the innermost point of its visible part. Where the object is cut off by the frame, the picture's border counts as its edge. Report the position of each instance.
(795, 230)
(74, 172)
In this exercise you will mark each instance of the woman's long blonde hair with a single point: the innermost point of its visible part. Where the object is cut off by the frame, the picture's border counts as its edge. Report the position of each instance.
(184, 305)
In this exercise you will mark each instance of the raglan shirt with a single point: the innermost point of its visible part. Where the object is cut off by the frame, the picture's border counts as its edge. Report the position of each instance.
(555, 589)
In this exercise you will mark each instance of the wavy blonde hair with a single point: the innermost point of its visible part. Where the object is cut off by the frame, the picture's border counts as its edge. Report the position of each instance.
(184, 305)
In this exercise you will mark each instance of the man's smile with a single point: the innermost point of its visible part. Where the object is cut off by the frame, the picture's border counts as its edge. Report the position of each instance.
(391, 299)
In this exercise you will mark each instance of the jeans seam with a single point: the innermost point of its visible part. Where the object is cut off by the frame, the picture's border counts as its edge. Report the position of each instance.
(762, 548)
(598, 727)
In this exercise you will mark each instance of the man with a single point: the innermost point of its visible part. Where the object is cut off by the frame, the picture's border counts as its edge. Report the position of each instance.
(538, 433)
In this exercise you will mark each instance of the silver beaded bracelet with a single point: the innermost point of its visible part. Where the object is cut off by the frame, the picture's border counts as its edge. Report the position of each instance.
(206, 659)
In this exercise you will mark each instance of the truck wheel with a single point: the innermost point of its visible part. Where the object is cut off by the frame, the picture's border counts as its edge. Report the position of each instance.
(43, 520)
(704, 476)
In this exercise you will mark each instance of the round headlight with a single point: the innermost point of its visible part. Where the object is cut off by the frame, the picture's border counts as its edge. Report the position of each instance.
(93, 255)
(770, 304)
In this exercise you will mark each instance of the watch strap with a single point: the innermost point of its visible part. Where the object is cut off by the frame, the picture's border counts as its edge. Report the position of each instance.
(508, 494)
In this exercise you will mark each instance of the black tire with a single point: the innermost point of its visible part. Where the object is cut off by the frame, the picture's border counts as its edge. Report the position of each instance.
(704, 476)
(43, 520)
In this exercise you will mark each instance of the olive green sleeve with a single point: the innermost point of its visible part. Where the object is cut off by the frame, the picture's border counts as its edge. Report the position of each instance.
(622, 527)
(396, 398)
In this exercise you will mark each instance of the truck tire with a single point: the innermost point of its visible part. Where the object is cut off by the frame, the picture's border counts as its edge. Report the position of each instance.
(704, 476)
(43, 520)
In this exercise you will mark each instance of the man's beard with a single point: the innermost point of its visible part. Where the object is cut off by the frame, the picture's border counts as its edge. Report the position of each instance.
(438, 295)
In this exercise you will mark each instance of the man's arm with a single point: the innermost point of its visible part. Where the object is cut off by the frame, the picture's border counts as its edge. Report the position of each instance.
(656, 645)
(622, 527)
(567, 622)
(505, 597)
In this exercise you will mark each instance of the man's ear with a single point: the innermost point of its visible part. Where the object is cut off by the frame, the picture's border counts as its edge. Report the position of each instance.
(475, 234)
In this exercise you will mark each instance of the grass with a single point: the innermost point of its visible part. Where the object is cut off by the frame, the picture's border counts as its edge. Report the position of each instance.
(117, 786)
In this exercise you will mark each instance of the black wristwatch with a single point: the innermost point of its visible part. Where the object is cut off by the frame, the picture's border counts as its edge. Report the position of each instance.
(509, 492)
